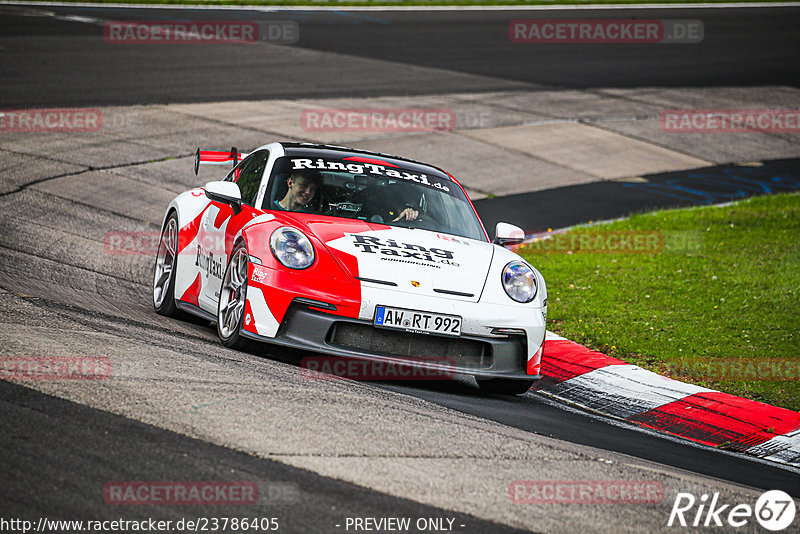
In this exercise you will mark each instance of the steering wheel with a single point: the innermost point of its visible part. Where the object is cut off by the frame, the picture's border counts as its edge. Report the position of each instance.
(324, 201)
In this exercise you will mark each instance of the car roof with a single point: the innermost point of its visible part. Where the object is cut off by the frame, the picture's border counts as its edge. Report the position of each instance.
(333, 151)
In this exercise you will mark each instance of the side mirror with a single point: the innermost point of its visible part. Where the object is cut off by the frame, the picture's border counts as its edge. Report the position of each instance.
(226, 192)
(508, 234)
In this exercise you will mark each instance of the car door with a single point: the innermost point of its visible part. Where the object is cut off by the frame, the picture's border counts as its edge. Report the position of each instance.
(219, 226)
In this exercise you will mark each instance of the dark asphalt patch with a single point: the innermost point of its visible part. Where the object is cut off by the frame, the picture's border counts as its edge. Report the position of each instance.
(577, 204)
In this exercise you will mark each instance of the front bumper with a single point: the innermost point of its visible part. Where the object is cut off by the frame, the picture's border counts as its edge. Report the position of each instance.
(483, 357)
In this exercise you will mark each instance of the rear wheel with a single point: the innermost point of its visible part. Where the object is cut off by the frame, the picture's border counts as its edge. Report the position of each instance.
(164, 275)
(504, 386)
(232, 298)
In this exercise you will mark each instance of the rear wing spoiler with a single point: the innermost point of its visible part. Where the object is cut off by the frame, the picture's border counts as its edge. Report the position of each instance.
(215, 157)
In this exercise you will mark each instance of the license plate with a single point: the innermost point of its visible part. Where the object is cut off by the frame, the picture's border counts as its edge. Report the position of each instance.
(417, 321)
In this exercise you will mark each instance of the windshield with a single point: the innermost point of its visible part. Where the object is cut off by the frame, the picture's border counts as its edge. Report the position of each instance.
(371, 190)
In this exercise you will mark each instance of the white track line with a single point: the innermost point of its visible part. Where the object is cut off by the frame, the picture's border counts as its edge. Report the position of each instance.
(562, 7)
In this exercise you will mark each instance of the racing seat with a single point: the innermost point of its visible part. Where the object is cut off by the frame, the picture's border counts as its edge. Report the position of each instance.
(278, 191)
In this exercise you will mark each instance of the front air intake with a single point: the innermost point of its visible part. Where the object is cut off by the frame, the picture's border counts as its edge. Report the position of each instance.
(461, 352)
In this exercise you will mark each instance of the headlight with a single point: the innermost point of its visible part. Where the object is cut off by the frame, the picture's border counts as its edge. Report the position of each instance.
(291, 248)
(519, 281)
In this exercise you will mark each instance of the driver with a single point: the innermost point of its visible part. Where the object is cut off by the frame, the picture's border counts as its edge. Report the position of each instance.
(302, 186)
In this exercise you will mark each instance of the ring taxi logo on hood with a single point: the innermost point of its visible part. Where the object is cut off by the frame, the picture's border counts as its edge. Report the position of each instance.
(391, 247)
(372, 168)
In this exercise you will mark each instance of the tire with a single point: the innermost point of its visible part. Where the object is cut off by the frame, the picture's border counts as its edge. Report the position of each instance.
(232, 298)
(164, 270)
(504, 386)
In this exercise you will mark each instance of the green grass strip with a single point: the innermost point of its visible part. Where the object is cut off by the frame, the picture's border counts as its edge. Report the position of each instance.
(706, 295)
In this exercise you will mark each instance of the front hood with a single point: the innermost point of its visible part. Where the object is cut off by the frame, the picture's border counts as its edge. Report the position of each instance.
(411, 261)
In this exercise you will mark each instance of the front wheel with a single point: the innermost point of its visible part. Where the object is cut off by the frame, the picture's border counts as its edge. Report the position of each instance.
(504, 386)
(232, 298)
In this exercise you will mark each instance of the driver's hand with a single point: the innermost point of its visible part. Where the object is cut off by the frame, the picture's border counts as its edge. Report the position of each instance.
(408, 214)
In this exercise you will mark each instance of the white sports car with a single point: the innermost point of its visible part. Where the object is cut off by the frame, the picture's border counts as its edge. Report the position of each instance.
(357, 254)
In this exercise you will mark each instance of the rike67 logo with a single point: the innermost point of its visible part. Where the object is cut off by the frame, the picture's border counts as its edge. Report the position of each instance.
(774, 510)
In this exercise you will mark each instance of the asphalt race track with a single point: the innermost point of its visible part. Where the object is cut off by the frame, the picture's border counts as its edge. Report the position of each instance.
(180, 407)
(96, 447)
(368, 54)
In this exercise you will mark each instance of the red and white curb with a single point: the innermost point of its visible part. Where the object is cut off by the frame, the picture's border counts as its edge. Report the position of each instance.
(608, 386)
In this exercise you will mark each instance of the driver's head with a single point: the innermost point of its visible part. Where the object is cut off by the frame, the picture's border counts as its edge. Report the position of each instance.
(303, 185)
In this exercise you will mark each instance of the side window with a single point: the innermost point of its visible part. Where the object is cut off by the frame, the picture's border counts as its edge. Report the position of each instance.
(247, 175)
